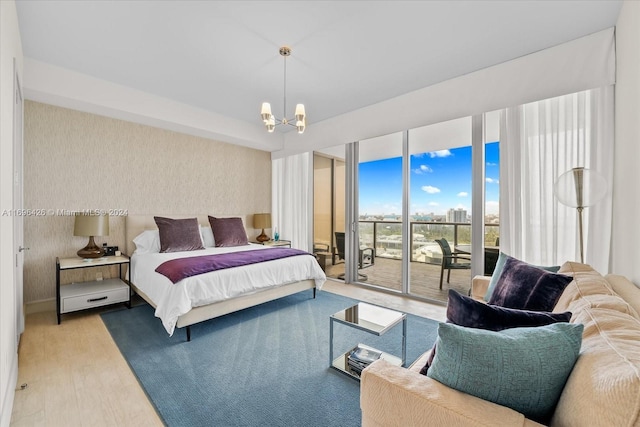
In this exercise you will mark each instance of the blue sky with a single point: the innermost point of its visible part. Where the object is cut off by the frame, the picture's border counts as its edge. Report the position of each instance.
(440, 180)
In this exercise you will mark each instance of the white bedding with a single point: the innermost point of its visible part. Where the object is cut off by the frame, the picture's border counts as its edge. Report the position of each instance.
(173, 300)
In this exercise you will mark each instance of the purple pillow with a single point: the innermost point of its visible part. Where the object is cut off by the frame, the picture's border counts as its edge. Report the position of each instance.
(178, 235)
(526, 287)
(465, 311)
(228, 231)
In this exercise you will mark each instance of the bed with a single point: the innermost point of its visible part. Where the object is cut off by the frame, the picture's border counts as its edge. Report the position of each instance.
(209, 295)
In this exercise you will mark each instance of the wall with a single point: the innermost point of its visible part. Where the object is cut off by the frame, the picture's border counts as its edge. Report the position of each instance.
(577, 65)
(76, 160)
(625, 256)
(10, 48)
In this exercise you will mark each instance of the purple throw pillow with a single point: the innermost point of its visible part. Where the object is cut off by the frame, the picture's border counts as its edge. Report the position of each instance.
(178, 235)
(465, 311)
(526, 287)
(228, 231)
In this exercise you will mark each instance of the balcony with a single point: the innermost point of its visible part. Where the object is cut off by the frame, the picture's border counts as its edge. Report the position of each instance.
(426, 257)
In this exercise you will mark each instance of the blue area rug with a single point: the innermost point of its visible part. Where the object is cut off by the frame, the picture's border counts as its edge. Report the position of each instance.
(262, 366)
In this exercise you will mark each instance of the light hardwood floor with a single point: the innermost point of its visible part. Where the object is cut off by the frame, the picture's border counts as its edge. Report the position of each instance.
(76, 376)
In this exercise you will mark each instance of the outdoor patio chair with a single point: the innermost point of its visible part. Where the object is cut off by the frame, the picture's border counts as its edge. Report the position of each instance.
(366, 256)
(450, 260)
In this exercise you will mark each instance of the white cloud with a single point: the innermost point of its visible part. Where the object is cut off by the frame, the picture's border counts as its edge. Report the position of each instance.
(492, 181)
(463, 194)
(440, 153)
(422, 169)
(434, 204)
(429, 189)
(491, 164)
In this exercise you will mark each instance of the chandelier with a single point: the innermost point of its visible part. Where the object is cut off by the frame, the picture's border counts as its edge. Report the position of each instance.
(270, 121)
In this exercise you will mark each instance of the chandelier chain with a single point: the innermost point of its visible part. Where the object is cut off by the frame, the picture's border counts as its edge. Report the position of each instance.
(284, 110)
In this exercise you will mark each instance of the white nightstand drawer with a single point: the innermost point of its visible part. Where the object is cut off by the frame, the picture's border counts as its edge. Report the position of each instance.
(80, 296)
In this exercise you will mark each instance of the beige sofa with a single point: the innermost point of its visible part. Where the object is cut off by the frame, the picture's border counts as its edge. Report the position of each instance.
(602, 390)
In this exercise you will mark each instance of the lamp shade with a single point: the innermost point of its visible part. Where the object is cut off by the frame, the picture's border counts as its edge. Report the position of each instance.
(262, 220)
(580, 187)
(91, 225)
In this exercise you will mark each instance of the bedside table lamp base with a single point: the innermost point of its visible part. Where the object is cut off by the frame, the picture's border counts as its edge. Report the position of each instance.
(90, 225)
(262, 220)
(91, 250)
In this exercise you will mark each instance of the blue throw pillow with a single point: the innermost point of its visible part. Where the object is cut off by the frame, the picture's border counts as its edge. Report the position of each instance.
(465, 311)
(502, 258)
(524, 369)
(526, 287)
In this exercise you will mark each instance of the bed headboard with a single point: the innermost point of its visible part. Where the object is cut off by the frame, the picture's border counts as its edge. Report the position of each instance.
(136, 224)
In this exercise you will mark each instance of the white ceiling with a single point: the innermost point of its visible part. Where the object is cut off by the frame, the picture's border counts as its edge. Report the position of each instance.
(222, 56)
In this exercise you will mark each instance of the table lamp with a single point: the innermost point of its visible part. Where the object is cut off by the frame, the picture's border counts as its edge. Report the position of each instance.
(90, 226)
(579, 188)
(262, 220)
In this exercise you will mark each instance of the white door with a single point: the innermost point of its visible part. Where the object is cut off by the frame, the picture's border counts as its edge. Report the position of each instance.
(18, 204)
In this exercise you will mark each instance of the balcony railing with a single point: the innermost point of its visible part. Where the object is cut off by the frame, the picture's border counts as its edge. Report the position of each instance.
(386, 238)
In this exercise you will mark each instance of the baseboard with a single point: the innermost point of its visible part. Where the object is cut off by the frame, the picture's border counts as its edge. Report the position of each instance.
(9, 394)
(40, 306)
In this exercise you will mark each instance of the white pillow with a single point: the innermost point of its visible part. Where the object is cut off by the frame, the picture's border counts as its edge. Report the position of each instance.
(147, 242)
(207, 237)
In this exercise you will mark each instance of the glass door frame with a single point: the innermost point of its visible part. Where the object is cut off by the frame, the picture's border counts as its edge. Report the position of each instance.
(477, 194)
(352, 212)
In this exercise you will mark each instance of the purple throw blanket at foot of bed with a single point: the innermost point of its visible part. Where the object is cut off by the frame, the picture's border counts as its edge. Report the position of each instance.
(178, 269)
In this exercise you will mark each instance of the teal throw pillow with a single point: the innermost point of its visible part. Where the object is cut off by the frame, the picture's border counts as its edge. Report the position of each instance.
(524, 369)
(502, 258)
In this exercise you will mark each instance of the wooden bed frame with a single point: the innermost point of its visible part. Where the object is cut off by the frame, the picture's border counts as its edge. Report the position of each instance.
(136, 224)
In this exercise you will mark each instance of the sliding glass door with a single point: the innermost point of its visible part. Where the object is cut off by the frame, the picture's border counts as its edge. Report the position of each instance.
(407, 190)
(440, 199)
(380, 195)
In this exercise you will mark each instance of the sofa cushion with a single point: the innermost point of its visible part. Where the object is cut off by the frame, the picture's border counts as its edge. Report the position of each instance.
(590, 289)
(497, 271)
(604, 386)
(611, 302)
(627, 290)
(392, 396)
(522, 368)
(527, 287)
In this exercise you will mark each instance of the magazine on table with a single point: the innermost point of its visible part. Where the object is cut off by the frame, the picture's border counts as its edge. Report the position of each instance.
(364, 356)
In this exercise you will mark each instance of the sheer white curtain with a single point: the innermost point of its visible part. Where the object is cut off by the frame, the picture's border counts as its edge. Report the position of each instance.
(538, 143)
(292, 199)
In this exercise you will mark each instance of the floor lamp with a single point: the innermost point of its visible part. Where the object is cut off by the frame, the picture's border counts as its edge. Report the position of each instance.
(580, 188)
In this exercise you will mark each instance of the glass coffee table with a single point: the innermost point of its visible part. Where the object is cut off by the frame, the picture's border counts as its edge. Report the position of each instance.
(373, 319)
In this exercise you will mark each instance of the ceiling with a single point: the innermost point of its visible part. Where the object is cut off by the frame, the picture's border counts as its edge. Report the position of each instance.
(222, 56)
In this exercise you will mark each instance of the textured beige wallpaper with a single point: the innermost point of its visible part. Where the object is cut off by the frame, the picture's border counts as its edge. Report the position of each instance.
(75, 160)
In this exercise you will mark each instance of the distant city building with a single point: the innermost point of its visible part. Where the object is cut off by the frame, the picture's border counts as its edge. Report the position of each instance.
(457, 215)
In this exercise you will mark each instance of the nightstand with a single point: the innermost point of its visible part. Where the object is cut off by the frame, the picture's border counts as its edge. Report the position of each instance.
(278, 243)
(97, 293)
